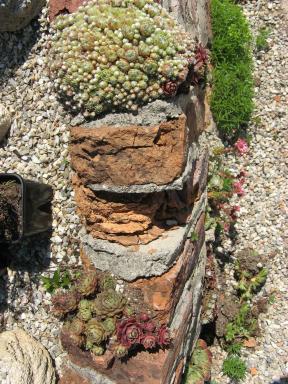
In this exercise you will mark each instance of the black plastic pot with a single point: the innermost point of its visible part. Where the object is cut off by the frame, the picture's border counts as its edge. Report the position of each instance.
(35, 206)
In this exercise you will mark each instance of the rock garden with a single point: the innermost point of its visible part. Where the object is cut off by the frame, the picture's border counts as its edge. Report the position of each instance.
(143, 197)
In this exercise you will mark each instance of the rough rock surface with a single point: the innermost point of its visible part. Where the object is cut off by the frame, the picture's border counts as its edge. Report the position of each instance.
(130, 155)
(26, 360)
(16, 14)
(131, 219)
(153, 259)
(5, 121)
(147, 152)
(57, 7)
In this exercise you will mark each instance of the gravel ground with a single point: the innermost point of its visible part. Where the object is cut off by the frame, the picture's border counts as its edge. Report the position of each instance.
(262, 222)
(37, 149)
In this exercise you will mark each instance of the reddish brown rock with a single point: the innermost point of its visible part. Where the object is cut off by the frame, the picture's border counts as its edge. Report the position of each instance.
(131, 155)
(70, 376)
(162, 293)
(57, 7)
(132, 219)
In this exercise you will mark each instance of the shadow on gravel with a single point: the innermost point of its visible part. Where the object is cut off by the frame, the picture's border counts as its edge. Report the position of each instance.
(15, 48)
(24, 262)
(283, 380)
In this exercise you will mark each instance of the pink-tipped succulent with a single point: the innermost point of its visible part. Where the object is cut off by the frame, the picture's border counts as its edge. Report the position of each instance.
(241, 146)
(141, 330)
(129, 332)
(201, 57)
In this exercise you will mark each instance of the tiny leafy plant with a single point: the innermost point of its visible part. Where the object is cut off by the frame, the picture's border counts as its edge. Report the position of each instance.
(234, 368)
(58, 280)
(234, 349)
(194, 236)
(261, 39)
(249, 284)
(242, 326)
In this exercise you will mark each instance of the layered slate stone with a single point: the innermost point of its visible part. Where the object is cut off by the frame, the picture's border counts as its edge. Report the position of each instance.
(148, 152)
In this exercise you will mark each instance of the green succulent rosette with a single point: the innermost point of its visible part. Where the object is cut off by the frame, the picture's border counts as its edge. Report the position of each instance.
(87, 283)
(95, 332)
(107, 282)
(109, 304)
(84, 310)
(109, 325)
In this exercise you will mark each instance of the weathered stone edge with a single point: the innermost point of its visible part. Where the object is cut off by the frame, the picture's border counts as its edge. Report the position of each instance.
(148, 260)
(178, 184)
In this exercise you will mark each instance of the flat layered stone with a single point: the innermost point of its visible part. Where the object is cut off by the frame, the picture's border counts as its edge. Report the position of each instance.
(144, 260)
(148, 152)
(133, 219)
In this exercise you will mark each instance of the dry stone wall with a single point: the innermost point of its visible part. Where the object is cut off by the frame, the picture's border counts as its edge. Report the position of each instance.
(140, 187)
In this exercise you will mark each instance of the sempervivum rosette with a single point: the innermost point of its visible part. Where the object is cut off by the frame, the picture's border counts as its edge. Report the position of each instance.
(109, 304)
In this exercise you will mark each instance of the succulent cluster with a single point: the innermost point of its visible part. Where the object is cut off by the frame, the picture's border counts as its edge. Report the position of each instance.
(118, 54)
(100, 318)
(141, 330)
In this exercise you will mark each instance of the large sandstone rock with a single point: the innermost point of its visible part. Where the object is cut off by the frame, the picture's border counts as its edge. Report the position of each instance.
(16, 14)
(131, 219)
(24, 359)
(148, 152)
(5, 121)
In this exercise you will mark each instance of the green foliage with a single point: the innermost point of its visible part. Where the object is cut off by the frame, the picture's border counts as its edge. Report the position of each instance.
(58, 280)
(234, 349)
(235, 368)
(231, 33)
(194, 236)
(118, 55)
(242, 325)
(271, 299)
(198, 369)
(231, 100)
(248, 285)
(261, 39)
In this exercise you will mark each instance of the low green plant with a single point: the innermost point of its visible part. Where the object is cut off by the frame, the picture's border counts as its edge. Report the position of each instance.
(234, 349)
(231, 33)
(272, 299)
(199, 367)
(242, 326)
(261, 39)
(58, 280)
(248, 285)
(231, 100)
(235, 368)
(194, 236)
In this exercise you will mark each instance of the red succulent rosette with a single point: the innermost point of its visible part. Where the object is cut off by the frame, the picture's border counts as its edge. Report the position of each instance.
(170, 88)
(149, 326)
(129, 332)
(149, 341)
(164, 337)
